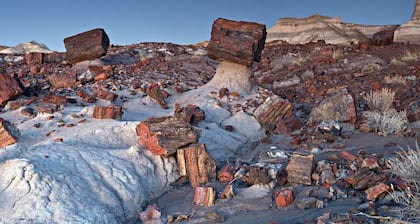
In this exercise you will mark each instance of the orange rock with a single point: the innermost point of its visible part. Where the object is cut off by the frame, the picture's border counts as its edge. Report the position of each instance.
(347, 155)
(370, 162)
(204, 196)
(284, 197)
(374, 192)
(8, 133)
(109, 112)
(226, 173)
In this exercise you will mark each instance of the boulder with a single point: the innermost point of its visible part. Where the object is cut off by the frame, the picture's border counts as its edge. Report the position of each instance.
(337, 107)
(383, 38)
(238, 42)
(10, 88)
(33, 58)
(89, 45)
(8, 133)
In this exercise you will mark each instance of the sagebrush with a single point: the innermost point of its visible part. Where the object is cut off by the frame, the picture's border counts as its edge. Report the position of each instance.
(407, 167)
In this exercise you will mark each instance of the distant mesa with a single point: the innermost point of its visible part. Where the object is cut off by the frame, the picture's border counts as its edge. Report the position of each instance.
(3, 47)
(317, 27)
(24, 48)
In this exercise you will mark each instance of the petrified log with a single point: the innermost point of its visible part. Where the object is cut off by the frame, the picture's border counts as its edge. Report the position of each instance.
(299, 170)
(226, 173)
(164, 135)
(272, 112)
(197, 164)
(89, 45)
(204, 196)
(10, 88)
(8, 133)
(34, 58)
(238, 42)
(109, 112)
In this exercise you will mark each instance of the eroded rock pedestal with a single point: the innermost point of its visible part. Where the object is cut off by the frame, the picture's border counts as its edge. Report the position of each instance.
(236, 45)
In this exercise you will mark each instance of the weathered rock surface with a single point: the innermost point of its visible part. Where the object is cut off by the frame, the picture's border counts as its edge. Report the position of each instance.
(337, 107)
(10, 88)
(89, 45)
(410, 31)
(24, 48)
(8, 133)
(232, 76)
(299, 170)
(238, 42)
(88, 180)
(317, 27)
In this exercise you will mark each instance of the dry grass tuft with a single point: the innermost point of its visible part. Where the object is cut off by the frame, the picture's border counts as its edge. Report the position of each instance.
(380, 100)
(382, 117)
(371, 68)
(407, 166)
(396, 79)
(410, 57)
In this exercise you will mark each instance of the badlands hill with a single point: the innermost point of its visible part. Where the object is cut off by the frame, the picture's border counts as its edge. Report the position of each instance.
(24, 48)
(329, 29)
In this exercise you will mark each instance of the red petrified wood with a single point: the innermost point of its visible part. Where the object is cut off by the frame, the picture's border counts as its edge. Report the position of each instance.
(8, 133)
(238, 42)
(164, 135)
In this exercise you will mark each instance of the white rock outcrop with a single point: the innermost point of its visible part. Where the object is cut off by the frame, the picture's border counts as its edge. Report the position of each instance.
(24, 48)
(96, 175)
(410, 31)
(331, 30)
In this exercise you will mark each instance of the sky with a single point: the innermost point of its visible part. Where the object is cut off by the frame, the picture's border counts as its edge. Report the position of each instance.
(176, 21)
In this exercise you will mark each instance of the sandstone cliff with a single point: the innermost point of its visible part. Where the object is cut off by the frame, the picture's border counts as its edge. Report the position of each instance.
(317, 27)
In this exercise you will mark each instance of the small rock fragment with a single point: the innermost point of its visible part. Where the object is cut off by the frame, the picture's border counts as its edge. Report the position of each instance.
(284, 197)
(299, 170)
(204, 196)
(109, 112)
(8, 133)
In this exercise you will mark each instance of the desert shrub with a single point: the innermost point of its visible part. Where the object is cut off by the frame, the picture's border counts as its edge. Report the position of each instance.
(371, 68)
(387, 122)
(380, 100)
(407, 167)
(396, 79)
(397, 62)
(382, 117)
(408, 56)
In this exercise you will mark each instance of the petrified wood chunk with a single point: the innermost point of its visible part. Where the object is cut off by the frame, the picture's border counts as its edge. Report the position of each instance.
(204, 196)
(197, 164)
(272, 111)
(89, 45)
(238, 42)
(10, 88)
(164, 135)
(109, 112)
(8, 133)
(299, 169)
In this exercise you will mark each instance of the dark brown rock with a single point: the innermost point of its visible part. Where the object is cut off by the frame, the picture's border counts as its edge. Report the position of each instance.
(89, 45)
(164, 135)
(156, 93)
(109, 112)
(10, 88)
(299, 170)
(34, 58)
(257, 175)
(8, 133)
(191, 113)
(238, 42)
(272, 112)
(383, 38)
(284, 197)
